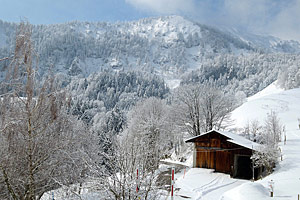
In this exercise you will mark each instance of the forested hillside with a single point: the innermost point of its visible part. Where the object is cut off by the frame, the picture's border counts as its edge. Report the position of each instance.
(103, 91)
(168, 46)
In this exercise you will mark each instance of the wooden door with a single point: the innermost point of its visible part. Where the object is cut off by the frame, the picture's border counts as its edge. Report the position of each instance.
(223, 161)
(206, 158)
(201, 158)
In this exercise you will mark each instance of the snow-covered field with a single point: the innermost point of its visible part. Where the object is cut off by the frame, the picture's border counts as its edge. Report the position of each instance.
(203, 184)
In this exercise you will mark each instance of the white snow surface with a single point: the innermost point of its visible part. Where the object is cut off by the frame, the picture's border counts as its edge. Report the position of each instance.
(204, 184)
(284, 103)
(172, 83)
(253, 191)
(271, 89)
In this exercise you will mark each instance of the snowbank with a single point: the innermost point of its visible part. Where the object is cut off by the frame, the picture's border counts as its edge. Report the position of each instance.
(247, 191)
(204, 184)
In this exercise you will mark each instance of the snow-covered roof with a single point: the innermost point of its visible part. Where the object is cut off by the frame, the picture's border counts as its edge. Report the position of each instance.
(233, 138)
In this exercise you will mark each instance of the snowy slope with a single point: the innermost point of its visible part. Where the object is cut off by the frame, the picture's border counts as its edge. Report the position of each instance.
(287, 173)
(271, 89)
(285, 103)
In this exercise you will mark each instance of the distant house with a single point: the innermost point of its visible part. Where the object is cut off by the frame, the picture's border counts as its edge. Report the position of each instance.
(225, 152)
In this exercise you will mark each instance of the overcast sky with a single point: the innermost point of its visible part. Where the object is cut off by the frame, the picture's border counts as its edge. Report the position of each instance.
(276, 17)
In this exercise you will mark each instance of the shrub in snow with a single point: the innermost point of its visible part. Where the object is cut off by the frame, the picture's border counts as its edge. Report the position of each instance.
(269, 153)
(266, 156)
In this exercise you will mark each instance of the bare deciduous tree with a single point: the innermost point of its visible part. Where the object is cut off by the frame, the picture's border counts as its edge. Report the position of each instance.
(149, 119)
(273, 129)
(201, 108)
(140, 146)
(41, 145)
(253, 131)
(122, 183)
(269, 153)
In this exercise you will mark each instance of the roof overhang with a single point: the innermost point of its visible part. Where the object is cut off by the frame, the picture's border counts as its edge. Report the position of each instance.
(232, 138)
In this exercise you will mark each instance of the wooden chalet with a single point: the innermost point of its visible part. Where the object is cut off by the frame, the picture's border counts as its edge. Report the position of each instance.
(225, 152)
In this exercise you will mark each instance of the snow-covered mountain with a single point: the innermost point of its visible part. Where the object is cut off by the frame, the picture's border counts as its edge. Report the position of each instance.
(266, 43)
(169, 45)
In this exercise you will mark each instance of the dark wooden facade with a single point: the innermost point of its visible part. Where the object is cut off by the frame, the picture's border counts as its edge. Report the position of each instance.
(215, 151)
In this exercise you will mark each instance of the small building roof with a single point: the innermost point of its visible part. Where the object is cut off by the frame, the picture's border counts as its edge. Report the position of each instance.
(232, 138)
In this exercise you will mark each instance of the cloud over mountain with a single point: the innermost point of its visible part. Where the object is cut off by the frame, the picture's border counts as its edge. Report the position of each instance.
(279, 18)
(164, 6)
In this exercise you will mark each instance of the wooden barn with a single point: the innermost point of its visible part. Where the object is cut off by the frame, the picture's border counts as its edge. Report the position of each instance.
(225, 152)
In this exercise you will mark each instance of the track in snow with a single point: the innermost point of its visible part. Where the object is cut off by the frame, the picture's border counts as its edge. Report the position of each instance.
(213, 185)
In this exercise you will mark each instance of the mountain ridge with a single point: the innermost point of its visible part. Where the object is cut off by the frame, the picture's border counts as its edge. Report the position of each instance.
(169, 46)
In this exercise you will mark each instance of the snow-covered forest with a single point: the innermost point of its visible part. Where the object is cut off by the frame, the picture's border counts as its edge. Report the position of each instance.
(171, 47)
(248, 74)
(87, 104)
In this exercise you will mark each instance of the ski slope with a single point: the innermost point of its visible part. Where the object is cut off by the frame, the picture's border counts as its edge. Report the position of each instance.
(203, 184)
